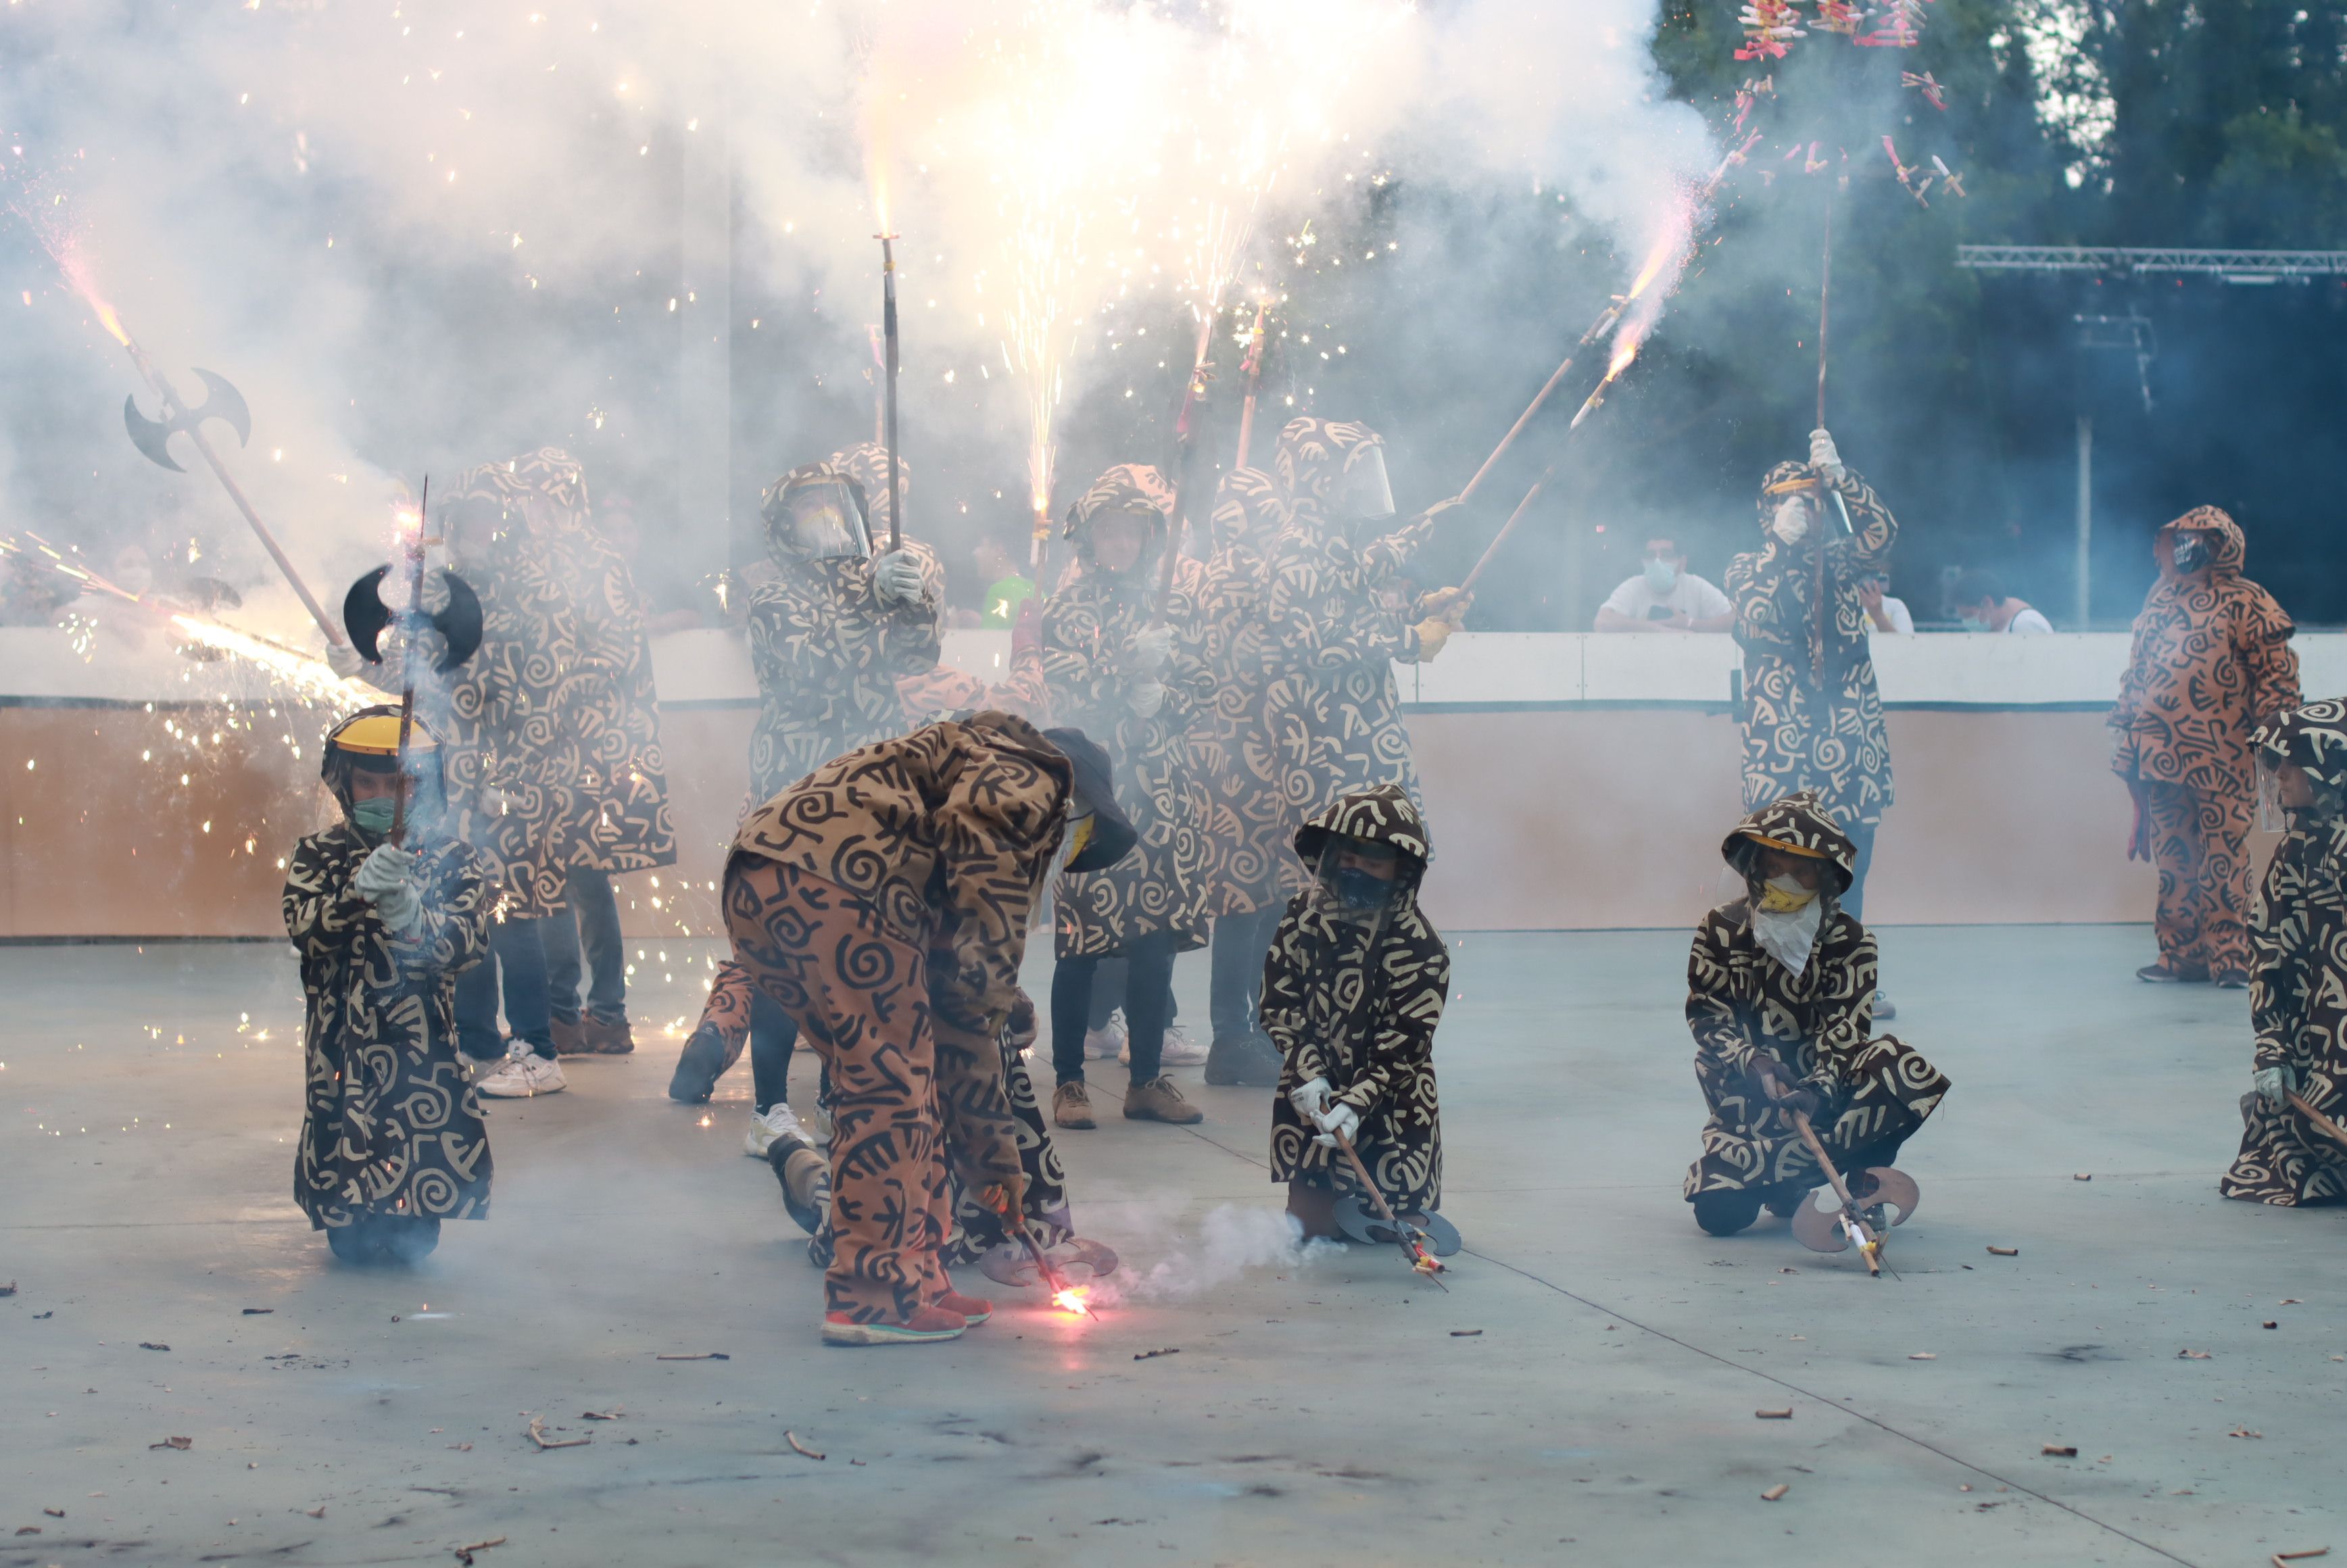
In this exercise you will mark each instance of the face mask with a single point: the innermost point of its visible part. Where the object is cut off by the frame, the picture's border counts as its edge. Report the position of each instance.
(1785, 922)
(1783, 894)
(1661, 575)
(2190, 552)
(373, 815)
(1359, 888)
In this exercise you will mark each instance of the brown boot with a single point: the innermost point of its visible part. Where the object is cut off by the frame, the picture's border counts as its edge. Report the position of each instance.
(600, 1038)
(1071, 1107)
(1159, 1100)
(570, 1038)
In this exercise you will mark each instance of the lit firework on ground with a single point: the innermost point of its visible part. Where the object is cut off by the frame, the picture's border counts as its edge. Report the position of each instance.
(1075, 1299)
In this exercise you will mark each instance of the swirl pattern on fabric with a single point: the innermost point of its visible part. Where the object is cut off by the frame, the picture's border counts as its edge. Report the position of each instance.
(389, 1126)
(1247, 822)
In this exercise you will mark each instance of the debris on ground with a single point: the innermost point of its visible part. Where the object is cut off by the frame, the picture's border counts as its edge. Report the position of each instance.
(151, 1345)
(1924, 1356)
(2281, 1557)
(9, 1288)
(1162, 1351)
(797, 1447)
(1465, 1333)
(2081, 1176)
(464, 1553)
(317, 1513)
(1783, 1415)
(2243, 1432)
(537, 1435)
(2005, 1251)
(2192, 1355)
(2270, 1323)
(183, 1444)
(2059, 1451)
(1774, 1492)
(258, 1311)
(693, 1356)
(613, 1414)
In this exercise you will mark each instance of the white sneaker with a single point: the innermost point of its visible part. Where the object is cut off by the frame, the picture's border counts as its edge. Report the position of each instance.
(1179, 1049)
(777, 1122)
(524, 1075)
(822, 1124)
(1107, 1041)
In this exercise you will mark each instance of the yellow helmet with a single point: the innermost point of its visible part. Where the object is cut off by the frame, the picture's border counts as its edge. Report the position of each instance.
(375, 733)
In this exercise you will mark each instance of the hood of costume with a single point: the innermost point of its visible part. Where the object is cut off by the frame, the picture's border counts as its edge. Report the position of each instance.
(784, 546)
(1381, 814)
(2315, 737)
(2211, 661)
(1131, 488)
(1310, 467)
(1799, 824)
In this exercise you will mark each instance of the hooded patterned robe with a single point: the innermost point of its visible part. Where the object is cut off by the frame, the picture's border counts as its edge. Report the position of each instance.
(1812, 717)
(552, 728)
(2298, 986)
(1247, 825)
(1743, 1006)
(828, 653)
(1357, 1005)
(390, 1125)
(2211, 662)
(1336, 616)
(1092, 672)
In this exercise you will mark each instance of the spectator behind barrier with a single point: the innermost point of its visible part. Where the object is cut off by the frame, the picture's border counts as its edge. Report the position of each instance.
(1666, 596)
(1984, 605)
(1883, 613)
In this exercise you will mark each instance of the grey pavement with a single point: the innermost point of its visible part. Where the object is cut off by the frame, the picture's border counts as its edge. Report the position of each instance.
(1584, 1393)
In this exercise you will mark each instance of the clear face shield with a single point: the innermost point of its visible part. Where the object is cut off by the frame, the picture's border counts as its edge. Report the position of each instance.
(1358, 879)
(1363, 501)
(825, 521)
(1119, 540)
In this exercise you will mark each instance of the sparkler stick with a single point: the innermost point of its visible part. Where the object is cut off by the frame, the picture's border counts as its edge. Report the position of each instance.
(1062, 1294)
(407, 669)
(889, 333)
(2321, 1124)
(1818, 610)
(175, 413)
(1184, 452)
(1509, 528)
(1869, 1245)
(1253, 371)
(1405, 1237)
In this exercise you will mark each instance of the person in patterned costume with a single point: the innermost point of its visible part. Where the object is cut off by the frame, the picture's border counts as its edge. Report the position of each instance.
(830, 636)
(392, 1139)
(1337, 608)
(1247, 825)
(1781, 986)
(884, 901)
(552, 735)
(2298, 986)
(2211, 662)
(1135, 681)
(1352, 992)
(1812, 717)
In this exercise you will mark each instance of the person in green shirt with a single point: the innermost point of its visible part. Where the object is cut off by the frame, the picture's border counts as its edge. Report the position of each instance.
(1006, 587)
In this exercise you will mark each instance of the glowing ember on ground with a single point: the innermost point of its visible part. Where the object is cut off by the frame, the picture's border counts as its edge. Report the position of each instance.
(1074, 1300)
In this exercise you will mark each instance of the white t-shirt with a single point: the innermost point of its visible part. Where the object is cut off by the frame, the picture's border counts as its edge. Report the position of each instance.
(2029, 623)
(1690, 596)
(1901, 623)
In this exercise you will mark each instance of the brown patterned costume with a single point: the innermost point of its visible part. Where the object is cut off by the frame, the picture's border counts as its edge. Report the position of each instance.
(1092, 671)
(1335, 617)
(2298, 989)
(390, 1125)
(2211, 662)
(1246, 826)
(1356, 1004)
(1812, 724)
(552, 728)
(828, 651)
(884, 902)
(1813, 1029)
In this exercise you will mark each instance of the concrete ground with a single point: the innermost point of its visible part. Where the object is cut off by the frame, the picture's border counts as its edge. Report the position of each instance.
(1584, 1393)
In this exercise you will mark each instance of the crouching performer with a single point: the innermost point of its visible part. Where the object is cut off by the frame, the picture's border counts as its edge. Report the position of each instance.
(884, 901)
(392, 1139)
(2298, 979)
(1780, 991)
(1352, 992)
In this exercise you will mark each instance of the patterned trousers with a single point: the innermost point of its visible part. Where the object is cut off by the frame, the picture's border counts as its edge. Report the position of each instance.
(859, 994)
(2199, 842)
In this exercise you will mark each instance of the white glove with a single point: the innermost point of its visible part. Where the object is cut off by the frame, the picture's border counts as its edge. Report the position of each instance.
(1147, 698)
(1823, 458)
(897, 578)
(1151, 647)
(2274, 1084)
(1791, 523)
(386, 879)
(1310, 1099)
(1337, 1121)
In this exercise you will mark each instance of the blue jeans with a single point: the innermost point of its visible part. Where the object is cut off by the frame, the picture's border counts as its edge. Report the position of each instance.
(1861, 836)
(517, 954)
(591, 921)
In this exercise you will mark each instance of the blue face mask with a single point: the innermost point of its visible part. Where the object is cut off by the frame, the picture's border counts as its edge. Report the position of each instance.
(1360, 889)
(373, 815)
(1661, 575)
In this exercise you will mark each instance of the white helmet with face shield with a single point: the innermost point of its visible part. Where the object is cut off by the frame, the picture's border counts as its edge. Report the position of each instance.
(826, 521)
(1362, 501)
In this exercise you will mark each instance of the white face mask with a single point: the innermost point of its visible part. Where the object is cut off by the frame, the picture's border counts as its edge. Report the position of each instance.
(1661, 575)
(1788, 933)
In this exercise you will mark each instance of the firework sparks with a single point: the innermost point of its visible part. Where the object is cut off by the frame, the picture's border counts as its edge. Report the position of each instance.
(1075, 1299)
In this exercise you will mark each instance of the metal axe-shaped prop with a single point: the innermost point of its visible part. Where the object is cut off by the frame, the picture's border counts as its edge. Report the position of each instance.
(458, 623)
(221, 401)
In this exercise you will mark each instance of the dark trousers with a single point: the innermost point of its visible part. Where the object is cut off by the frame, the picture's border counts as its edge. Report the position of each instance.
(517, 956)
(1149, 997)
(591, 923)
(1108, 994)
(1241, 942)
(772, 1036)
(1861, 834)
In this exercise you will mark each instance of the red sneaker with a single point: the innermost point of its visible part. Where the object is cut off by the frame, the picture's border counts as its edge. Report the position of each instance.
(971, 1310)
(927, 1323)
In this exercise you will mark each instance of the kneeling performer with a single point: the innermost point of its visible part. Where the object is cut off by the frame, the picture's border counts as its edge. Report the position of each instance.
(1352, 992)
(1780, 993)
(884, 900)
